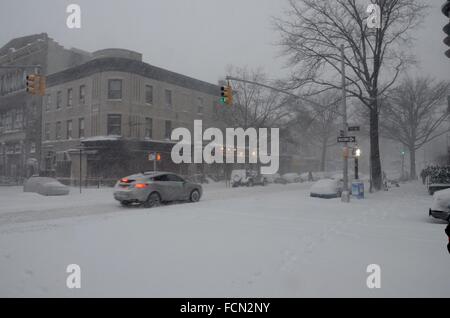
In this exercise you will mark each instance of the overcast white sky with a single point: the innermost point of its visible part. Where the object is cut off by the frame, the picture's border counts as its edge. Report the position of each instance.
(197, 38)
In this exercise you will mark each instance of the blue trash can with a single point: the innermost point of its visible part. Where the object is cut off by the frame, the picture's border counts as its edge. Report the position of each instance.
(358, 189)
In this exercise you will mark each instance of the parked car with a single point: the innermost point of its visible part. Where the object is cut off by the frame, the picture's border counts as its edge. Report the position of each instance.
(247, 178)
(292, 177)
(45, 186)
(327, 189)
(150, 189)
(434, 187)
(271, 178)
(440, 208)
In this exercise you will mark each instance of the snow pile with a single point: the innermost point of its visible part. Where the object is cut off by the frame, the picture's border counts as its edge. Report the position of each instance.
(441, 201)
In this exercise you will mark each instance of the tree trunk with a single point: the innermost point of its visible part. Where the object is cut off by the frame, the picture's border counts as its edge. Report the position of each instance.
(323, 157)
(412, 163)
(375, 163)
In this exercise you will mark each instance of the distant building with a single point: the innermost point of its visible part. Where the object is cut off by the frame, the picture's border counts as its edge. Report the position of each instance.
(110, 113)
(20, 113)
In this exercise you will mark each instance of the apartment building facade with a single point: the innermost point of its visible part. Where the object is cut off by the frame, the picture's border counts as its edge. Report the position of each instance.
(20, 112)
(103, 118)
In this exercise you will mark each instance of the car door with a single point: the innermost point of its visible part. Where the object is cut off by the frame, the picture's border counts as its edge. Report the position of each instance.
(162, 185)
(177, 187)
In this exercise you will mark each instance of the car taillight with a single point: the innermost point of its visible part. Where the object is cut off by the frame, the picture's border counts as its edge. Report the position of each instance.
(124, 180)
(141, 185)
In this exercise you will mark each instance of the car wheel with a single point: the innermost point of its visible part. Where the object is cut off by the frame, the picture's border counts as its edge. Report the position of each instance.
(195, 196)
(153, 200)
(125, 203)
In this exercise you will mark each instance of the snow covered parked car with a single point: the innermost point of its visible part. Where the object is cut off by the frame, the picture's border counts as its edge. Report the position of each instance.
(45, 186)
(326, 189)
(246, 178)
(292, 177)
(271, 178)
(440, 208)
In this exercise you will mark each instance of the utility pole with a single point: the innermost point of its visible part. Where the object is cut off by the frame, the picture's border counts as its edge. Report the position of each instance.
(345, 193)
(81, 151)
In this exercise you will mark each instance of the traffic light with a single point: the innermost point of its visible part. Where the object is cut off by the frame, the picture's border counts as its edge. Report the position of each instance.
(357, 152)
(158, 157)
(226, 95)
(36, 84)
(32, 84)
(446, 12)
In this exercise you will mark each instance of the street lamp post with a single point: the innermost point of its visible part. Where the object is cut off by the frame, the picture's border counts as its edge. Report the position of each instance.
(357, 155)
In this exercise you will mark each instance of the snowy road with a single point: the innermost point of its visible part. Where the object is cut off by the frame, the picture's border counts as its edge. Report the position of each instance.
(259, 242)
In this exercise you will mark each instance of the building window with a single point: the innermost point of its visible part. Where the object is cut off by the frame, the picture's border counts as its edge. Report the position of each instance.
(69, 128)
(114, 124)
(69, 97)
(18, 119)
(148, 94)
(8, 121)
(47, 132)
(148, 128)
(168, 95)
(58, 99)
(58, 130)
(33, 147)
(82, 94)
(48, 105)
(115, 89)
(168, 129)
(81, 128)
(18, 148)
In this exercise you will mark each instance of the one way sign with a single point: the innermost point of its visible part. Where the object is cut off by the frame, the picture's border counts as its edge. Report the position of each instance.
(347, 139)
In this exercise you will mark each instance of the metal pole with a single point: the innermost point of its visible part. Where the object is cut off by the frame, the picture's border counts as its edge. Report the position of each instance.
(80, 169)
(356, 168)
(403, 165)
(345, 197)
(154, 162)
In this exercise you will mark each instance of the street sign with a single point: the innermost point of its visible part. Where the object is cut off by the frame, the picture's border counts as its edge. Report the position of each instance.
(353, 128)
(347, 139)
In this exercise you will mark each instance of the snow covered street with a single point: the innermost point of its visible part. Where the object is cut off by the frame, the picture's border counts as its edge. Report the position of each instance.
(272, 241)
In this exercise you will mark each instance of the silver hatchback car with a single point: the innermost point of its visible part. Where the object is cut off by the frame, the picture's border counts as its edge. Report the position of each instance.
(152, 188)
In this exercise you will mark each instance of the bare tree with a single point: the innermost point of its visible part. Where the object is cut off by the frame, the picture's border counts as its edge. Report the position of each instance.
(312, 33)
(413, 113)
(318, 124)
